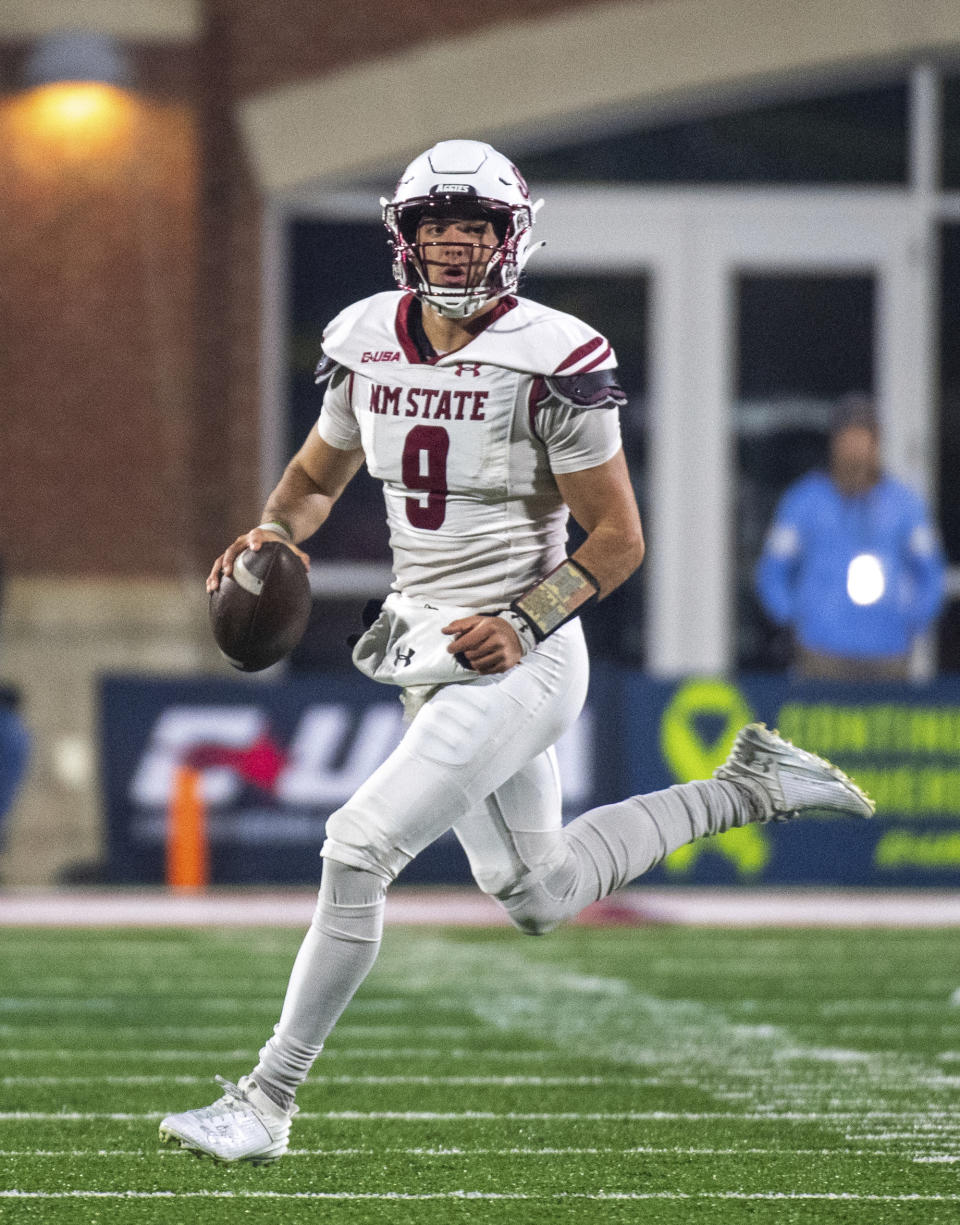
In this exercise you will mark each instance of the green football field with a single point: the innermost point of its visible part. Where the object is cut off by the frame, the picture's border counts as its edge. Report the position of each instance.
(651, 1074)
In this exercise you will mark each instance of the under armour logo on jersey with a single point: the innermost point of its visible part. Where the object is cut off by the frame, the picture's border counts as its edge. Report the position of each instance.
(461, 368)
(403, 657)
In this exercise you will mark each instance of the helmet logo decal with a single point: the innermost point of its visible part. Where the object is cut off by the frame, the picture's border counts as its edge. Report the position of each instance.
(521, 182)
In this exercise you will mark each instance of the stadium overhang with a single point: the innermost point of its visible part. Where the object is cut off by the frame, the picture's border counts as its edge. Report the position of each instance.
(529, 77)
(175, 21)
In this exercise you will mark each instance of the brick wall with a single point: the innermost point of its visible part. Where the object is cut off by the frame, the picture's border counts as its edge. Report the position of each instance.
(129, 307)
(129, 347)
(98, 275)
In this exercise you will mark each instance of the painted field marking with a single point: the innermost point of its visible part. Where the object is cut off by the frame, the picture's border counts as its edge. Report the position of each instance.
(643, 1150)
(148, 1030)
(203, 1003)
(19, 1053)
(827, 1196)
(923, 1118)
(359, 1053)
(117, 1003)
(509, 1082)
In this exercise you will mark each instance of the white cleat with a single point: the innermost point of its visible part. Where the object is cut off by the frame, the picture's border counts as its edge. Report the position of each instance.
(243, 1125)
(788, 780)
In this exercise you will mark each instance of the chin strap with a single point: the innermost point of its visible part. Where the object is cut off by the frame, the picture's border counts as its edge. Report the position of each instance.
(461, 308)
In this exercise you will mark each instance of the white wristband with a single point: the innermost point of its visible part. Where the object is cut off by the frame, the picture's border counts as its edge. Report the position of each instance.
(279, 528)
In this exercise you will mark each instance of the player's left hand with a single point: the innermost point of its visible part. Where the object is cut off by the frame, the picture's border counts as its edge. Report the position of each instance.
(487, 644)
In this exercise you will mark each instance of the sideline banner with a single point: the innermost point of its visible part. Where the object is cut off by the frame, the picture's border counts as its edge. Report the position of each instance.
(276, 758)
(900, 742)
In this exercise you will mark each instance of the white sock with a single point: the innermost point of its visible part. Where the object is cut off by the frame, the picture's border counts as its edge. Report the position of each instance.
(607, 847)
(335, 957)
(622, 841)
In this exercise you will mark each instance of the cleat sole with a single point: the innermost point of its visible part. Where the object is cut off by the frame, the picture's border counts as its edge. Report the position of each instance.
(172, 1140)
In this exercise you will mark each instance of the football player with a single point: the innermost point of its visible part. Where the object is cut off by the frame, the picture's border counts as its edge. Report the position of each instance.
(489, 419)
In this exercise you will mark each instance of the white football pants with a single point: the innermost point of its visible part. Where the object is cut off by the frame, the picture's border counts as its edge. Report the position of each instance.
(478, 758)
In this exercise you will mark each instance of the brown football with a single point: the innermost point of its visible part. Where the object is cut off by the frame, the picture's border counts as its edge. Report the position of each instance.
(259, 613)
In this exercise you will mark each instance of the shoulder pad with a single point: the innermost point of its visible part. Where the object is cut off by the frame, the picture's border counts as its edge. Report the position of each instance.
(595, 389)
(326, 369)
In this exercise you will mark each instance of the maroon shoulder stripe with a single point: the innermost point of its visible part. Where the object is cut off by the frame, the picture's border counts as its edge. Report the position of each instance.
(596, 361)
(579, 354)
(476, 326)
(538, 392)
(403, 330)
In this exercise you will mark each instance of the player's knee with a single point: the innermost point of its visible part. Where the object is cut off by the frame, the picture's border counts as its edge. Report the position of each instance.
(534, 911)
(534, 921)
(354, 840)
(544, 898)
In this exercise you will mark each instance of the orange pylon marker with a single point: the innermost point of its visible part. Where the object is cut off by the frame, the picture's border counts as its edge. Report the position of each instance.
(188, 854)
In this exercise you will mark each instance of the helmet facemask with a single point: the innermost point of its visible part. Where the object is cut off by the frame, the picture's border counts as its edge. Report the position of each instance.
(491, 272)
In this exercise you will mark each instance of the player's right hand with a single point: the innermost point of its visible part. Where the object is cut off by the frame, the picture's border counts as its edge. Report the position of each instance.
(486, 644)
(250, 540)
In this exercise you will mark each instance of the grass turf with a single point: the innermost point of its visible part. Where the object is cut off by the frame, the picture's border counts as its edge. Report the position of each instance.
(651, 1074)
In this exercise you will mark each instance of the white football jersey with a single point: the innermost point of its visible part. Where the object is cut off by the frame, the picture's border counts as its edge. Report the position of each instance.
(466, 443)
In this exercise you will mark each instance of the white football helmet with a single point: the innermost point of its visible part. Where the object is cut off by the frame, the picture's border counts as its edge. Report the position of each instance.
(461, 179)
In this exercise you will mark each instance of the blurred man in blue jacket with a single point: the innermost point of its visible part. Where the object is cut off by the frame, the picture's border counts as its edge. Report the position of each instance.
(852, 562)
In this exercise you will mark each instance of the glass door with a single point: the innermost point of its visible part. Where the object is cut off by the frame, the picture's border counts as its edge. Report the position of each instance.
(823, 294)
(759, 304)
(803, 340)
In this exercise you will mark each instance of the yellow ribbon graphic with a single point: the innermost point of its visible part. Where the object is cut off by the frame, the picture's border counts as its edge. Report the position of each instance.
(689, 757)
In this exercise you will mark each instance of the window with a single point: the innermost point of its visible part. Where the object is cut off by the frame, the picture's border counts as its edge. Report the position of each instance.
(854, 137)
(803, 342)
(331, 265)
(951, 133)
(949, 437)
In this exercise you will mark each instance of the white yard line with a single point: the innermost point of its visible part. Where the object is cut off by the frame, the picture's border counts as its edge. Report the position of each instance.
(157, 907)
(159, 1056)
(924, 1117)
(120, 1003)
(534, 1082)
(198, 1032)
(359, 1053)
(645, 1150)
(827, 1196)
